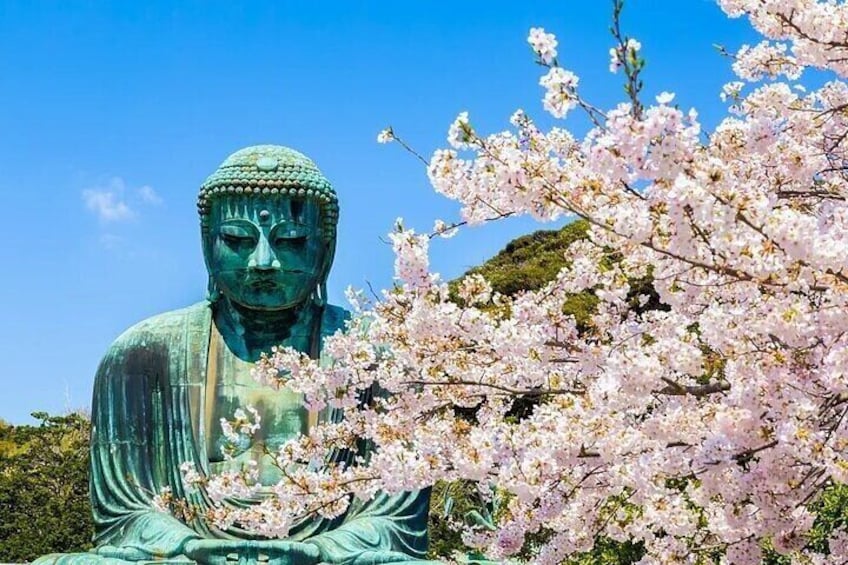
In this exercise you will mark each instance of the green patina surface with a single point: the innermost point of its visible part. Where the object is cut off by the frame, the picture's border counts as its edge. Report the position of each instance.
(268, 220)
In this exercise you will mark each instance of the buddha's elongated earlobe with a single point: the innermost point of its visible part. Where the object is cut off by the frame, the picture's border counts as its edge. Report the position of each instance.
(319, 295)
(212, 292)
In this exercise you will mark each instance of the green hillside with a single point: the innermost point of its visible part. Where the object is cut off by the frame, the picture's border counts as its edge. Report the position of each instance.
(530, 261)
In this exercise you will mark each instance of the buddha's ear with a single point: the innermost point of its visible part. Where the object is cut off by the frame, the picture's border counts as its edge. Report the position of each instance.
(206, 242)
(212, 292)
(319, 296)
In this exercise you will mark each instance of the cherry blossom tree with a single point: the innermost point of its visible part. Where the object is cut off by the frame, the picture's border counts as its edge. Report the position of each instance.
(702, 429)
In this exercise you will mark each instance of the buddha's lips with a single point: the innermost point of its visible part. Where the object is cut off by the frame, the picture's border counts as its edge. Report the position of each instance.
(272, 282)
(263, 284)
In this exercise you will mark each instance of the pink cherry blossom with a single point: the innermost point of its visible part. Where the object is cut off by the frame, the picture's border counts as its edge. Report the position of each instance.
(707, 424)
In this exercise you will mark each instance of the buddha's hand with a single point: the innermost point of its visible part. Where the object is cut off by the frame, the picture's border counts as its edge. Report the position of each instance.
(377, 557)
(239, 552)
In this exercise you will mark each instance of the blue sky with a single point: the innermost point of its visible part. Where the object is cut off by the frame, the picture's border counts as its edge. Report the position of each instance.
(113, 113)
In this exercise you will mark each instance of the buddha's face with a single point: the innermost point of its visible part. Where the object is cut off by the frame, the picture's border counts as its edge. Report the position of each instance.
(265, 252)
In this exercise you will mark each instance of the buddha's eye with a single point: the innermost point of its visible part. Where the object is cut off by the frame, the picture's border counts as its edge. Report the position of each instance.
(298, 240)
(237, 236)
(290, 236)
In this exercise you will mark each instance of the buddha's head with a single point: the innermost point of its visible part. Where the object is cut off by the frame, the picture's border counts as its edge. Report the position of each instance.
(268, 220)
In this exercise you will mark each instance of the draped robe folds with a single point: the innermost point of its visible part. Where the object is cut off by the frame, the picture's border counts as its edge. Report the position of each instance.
(147, 421)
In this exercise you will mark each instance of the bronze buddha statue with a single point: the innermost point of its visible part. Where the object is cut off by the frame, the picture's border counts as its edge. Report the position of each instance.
(268, 219)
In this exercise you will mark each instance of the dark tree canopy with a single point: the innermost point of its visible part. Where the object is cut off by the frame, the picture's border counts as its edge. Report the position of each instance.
(44, 505)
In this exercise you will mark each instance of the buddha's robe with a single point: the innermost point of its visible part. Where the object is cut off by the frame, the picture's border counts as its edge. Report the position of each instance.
(147, 421)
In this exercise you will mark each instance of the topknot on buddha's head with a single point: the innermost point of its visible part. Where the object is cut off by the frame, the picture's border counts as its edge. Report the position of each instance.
(270, 170)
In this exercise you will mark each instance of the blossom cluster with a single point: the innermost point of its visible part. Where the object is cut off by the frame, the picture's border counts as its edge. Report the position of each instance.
(543, 44)
(621, 54)
(701, 427)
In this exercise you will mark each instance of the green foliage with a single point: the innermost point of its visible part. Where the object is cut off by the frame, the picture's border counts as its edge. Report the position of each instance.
(44, 505)
(531, 261)
(831, 509)
(608, 552)
(450, 503)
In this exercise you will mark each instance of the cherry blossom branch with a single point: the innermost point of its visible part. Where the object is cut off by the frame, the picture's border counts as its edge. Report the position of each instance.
(531, 392)
(630, 60)
(698, 391)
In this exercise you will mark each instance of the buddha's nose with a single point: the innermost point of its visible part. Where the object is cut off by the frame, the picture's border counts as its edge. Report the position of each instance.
(263, 257)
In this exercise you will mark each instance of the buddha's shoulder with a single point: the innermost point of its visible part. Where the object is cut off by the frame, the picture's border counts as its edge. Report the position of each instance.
(170, 327)
(334, 319)
(164, 328)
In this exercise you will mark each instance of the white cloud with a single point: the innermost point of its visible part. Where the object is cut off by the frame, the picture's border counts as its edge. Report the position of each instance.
(107, 204)
(112, 201)
(148, 195)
